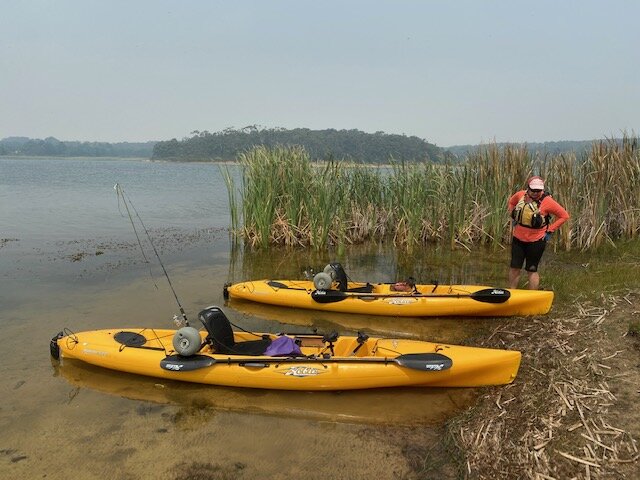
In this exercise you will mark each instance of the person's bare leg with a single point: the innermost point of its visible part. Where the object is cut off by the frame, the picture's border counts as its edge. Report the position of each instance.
(514, 277)
(534, 280)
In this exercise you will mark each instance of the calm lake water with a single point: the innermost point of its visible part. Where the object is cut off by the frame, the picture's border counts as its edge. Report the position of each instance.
(69, 258)
(60, 199)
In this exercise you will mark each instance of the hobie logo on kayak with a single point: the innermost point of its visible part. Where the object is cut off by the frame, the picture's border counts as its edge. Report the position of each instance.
(497, 291)
(174, 366)
(302, 372)
(434, 366)
(91, 351)
(402, 301)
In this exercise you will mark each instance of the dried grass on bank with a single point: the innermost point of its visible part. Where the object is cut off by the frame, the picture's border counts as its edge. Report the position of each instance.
(557, 421)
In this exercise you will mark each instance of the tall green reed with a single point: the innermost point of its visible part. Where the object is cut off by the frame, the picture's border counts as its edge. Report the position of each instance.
(493, 173)
(232, 192)
(287, 199)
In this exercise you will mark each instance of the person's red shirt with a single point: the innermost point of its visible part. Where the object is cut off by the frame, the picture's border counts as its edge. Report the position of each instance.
(548, 206)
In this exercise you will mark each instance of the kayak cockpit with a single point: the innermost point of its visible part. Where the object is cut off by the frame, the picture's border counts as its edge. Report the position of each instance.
(221, 338)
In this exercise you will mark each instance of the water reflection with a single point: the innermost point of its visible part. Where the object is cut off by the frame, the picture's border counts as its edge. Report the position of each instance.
(375, 262)
(369, 406)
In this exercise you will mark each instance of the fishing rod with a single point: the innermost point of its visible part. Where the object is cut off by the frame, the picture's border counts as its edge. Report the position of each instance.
(121, 194)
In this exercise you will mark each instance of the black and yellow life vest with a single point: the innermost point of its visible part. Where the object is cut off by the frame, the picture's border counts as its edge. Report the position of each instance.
(528, 214)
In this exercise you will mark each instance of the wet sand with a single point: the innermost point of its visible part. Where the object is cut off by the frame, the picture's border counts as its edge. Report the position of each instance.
(69, 420)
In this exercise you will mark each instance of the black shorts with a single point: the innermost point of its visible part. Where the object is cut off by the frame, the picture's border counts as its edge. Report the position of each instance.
(529, 251)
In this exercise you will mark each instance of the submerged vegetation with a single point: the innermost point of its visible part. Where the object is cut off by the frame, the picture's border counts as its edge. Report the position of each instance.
(287, 199)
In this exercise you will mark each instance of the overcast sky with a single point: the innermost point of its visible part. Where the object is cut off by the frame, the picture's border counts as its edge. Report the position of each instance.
(451, 72)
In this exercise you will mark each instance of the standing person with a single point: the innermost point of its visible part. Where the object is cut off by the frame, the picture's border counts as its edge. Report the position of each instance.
(531, 211)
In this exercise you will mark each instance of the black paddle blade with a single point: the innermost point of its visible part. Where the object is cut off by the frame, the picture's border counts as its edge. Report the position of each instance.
(427, 362)
(491, 295)
(177, 363)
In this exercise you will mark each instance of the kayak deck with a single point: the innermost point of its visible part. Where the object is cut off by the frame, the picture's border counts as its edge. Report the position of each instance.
(383, 299)
(324, 363)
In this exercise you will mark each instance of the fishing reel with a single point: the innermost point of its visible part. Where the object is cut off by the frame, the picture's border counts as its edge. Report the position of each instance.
(309, 274)
(180, 321)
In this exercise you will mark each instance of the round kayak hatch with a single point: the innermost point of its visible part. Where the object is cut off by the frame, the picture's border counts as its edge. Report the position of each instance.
(130, 339)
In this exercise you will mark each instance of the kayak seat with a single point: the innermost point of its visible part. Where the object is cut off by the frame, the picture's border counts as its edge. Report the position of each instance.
(339, 276)
(220, 335)
(368, 288)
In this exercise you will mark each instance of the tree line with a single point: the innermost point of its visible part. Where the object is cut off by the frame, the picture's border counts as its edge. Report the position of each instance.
(352, 145)
(52, 147)
(579, 147)
(228, 144)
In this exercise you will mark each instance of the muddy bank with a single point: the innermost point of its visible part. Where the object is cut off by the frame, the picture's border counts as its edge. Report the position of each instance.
(572, 412)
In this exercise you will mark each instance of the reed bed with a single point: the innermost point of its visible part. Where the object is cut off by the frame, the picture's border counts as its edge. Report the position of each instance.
(287, 199)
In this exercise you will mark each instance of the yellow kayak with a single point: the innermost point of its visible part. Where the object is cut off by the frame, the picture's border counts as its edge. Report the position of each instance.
(382, 299)
(220, 356)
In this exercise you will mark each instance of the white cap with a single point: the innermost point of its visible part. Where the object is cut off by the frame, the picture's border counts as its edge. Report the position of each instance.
(536, 183)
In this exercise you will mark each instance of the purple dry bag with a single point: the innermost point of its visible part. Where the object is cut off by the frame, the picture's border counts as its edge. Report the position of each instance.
(281, 346)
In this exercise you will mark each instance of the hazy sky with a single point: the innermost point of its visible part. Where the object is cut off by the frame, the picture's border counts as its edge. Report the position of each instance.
(451, 72)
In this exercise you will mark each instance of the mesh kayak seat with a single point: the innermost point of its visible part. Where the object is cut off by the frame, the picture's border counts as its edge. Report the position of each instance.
(220, 335)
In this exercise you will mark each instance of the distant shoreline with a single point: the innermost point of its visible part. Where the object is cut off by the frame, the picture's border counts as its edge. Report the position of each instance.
(62, 157)
(137, 159)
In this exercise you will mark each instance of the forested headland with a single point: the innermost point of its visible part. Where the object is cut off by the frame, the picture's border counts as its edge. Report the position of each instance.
(354, 145)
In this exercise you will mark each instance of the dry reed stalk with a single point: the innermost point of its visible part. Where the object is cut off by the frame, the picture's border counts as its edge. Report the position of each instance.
(577, 459)
(537, 435)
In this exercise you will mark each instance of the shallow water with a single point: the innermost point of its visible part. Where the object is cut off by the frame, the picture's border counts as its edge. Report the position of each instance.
(55, 417)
